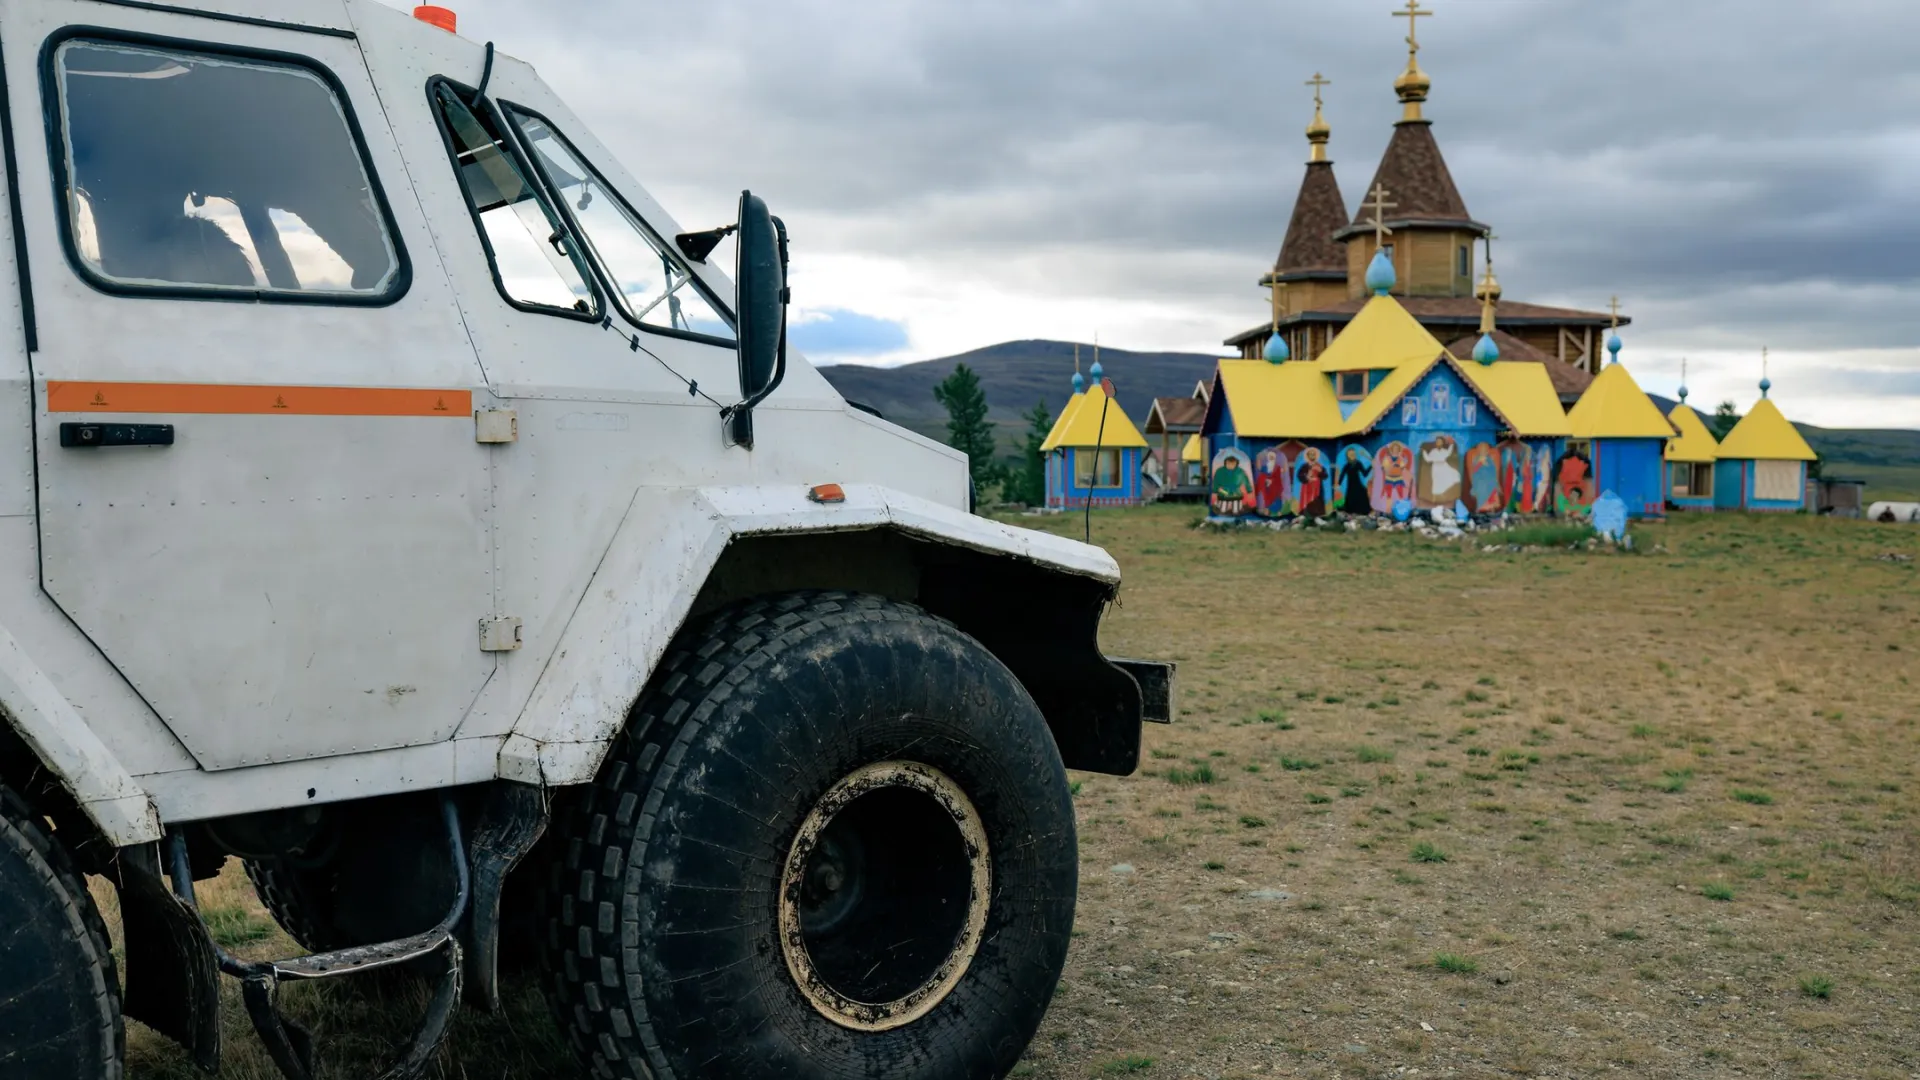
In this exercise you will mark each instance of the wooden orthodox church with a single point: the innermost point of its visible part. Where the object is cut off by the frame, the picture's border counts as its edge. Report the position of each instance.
(1318, 280)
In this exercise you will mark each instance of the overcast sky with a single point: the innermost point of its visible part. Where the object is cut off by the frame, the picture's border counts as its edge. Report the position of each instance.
(959, 174)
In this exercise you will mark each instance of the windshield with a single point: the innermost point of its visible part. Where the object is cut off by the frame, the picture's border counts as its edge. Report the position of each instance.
(652, 284)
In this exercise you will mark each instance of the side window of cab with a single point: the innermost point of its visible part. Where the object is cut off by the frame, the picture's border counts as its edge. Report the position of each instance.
(203, 172)
(529, 248)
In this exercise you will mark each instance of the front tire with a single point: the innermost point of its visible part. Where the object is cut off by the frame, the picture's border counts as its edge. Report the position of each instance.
(835, 840)
(59, 994)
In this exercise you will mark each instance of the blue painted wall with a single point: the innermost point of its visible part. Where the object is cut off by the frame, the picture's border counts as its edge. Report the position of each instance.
(1730, 485)
(1635, 470)
(1064, 490)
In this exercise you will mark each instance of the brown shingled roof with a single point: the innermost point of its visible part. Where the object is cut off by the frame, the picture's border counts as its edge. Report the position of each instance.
(1569, 382)
(1439, 311)
(1416, 178)
(1318, 213)
(1175, 412)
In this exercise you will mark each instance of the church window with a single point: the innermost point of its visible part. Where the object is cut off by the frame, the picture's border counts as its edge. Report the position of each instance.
(1096, 469)
(1466, 261)
(1693, 479)
(1776, 480)
(1351, 385)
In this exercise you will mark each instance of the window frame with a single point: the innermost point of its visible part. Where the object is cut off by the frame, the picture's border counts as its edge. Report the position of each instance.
(1098, 459)
(617, 299)
(54, 110)
(511, 143)
(1340, 391)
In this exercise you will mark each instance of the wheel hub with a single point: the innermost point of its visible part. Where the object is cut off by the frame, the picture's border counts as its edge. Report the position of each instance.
(884, 895)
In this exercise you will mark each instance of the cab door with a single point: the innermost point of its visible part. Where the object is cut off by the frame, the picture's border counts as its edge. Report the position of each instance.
(260, 492)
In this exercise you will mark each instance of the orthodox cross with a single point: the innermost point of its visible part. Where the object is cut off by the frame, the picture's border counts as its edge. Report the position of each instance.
(1273, 280)
(1412, 13)
(1614, 306)
(1379, 206)
(1763, 361)
(1488, 238)
(1317, 82)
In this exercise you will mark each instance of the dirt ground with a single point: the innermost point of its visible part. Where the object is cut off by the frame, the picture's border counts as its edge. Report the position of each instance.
(1433, 811)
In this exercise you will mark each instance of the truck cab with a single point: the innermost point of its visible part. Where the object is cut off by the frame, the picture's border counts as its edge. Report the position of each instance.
(374, 449)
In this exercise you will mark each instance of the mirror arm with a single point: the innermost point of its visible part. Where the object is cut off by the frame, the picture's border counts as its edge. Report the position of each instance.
(696, 246)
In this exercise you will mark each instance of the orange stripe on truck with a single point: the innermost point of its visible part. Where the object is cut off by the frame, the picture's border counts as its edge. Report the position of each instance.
(94, 397)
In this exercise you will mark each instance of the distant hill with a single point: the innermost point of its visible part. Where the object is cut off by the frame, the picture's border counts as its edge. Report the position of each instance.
(1015, 374)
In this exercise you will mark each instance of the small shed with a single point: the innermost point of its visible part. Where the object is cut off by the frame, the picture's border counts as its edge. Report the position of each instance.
(1094, 452)
(1763, 462)
(1622, 431)
(1840, 497)
(1690, 459)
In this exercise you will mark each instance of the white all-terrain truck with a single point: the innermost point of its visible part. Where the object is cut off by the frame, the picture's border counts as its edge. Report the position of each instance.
(394, 497)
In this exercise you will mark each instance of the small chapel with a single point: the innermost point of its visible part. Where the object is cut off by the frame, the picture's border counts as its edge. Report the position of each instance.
(1094, 455)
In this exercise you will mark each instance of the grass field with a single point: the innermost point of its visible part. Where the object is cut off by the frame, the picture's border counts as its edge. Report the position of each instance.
(1428, 808)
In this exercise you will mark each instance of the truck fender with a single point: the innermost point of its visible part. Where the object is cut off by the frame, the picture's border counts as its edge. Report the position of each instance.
(66, 747)
(670, 541)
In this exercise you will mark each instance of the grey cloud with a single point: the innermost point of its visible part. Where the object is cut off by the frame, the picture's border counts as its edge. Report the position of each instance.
(1702, 158)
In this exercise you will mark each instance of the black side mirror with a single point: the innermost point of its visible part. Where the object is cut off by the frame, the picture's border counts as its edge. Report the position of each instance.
(760, 311)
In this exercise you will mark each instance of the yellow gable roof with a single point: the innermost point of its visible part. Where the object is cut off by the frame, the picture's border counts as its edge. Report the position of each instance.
(1765, 434)
(1382, 335)
(1080, 424)
(1060, 422)
(1614, 407)
(1280, 401)
(1522, 396)
(1192, 451)
(1695, 443)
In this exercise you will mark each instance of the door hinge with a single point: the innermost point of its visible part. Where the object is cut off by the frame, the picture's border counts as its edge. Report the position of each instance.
(496, 426)
(499, 633)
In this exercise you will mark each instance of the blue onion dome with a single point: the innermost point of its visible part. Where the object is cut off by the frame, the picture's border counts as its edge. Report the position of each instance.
(1486, 350)
(1277, 351)
(1096, 371)
(1380, 276)
(1765, 385)
(1613, 346)
(1683, 393)
(1079, 383)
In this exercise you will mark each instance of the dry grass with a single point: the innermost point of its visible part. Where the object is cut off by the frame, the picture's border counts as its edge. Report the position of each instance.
(1568, 730)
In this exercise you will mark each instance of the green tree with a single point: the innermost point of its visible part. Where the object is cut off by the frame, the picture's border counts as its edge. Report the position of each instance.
(1030, 483)
(1723, 419)
(968, 430)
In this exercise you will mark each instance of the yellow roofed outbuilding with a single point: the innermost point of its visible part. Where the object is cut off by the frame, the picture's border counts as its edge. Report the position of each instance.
(1766, 435)
(1695, 443)
(1080, 425)
(1614, 407)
